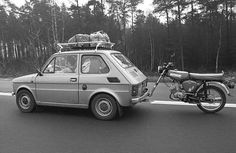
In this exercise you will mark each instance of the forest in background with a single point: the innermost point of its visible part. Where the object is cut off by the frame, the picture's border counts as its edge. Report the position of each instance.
(200, 33)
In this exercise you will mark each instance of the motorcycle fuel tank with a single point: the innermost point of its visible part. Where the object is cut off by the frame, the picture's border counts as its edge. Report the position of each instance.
(178, 75)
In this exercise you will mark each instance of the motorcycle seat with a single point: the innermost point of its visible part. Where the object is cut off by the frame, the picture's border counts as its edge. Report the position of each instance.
(207, 76)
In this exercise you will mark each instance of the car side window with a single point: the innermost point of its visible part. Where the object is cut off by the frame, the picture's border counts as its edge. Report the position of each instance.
(62, 64)
(50, 67)
(66, 64)
(93, 64)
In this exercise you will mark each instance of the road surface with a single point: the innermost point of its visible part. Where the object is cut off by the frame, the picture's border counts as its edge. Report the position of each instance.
(146, 128)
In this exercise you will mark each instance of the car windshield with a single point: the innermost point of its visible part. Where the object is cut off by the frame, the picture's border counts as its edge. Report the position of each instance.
(122, 60)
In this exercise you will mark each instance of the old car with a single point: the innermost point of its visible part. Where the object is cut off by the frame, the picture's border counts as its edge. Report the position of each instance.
(83, 75)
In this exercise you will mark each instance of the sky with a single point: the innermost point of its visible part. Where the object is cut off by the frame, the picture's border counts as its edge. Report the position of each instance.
(146, 6)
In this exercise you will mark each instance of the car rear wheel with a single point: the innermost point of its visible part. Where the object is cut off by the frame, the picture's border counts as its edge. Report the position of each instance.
(25, 101)
(104, 107)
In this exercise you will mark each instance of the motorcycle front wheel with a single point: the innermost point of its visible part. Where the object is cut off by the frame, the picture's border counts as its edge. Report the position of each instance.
(212, 99)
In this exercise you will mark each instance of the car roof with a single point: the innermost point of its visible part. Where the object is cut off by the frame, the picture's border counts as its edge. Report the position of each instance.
(87, 51)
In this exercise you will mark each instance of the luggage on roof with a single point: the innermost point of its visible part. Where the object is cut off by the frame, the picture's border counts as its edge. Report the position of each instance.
(95, 36)
(99, 36)
(96, 40)
(79, 38)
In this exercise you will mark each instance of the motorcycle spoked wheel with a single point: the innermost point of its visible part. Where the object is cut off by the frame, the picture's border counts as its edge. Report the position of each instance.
(213, 101)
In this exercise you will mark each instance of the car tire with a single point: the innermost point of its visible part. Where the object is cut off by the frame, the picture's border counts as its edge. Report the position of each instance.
(104, 107)
(25, 101)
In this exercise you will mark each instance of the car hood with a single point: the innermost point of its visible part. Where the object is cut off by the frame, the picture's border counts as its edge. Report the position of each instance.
(26, 78)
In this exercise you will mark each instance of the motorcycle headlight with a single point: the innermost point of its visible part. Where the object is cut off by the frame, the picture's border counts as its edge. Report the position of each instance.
(160, 69)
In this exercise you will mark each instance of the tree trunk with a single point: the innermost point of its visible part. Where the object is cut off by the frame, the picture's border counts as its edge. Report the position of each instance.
(231, 15)
(207, 46)
(102, 6)
(180, 37)
(227, 33)
(53, 30)
(77, 7)
(151, 52)
(192, 13)
(54, 24)
(124, 26)
(220, 41)
(63, 27)
(132, 19)
(7, 51)
(168, 29)
(2, 50)
(219, 48)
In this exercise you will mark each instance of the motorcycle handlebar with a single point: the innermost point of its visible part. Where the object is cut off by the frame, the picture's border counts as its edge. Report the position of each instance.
(165, 67)
(170, 64)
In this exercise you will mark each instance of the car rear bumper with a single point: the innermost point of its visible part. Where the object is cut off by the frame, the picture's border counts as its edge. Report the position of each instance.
(140, 99)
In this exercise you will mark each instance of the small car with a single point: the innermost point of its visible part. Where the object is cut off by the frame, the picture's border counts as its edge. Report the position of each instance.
(100, 79)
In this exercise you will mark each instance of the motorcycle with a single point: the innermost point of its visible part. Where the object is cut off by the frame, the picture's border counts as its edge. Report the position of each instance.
(207, 91)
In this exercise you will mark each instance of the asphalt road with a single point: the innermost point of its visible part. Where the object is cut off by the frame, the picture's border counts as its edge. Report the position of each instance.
(146, 128)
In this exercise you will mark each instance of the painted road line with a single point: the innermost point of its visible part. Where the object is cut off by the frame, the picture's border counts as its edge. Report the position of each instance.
(5, 94)
(230, 105)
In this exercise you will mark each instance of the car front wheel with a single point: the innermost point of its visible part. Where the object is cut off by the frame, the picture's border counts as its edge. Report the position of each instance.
(25, 101)
(104, 107)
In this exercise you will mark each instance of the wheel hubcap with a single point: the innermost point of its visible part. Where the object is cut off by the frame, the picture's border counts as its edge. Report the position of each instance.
(104, 107)
(24, 102)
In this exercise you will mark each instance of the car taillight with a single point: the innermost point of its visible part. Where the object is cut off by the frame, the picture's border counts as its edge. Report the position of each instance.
(135, 90)
(144, 87)
(145, 83)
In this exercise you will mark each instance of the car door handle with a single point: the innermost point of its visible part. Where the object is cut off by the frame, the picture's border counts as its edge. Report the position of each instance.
(84, 87)
(73, 79)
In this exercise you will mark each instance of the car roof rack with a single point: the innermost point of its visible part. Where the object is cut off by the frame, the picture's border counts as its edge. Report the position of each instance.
(85, 45)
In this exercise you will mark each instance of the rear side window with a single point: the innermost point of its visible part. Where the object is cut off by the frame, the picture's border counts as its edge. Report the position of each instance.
(122, 60)
(93, 64)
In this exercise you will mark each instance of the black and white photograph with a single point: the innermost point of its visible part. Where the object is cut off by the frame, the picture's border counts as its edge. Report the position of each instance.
(117, 76)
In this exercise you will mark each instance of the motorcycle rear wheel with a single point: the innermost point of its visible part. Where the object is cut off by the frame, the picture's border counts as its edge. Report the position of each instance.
(213, 101)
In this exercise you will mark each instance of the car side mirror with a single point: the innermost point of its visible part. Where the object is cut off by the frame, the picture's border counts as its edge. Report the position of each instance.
(39, 72)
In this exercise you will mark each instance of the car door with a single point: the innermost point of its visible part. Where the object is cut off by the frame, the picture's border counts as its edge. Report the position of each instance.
(94, 73)
(59, 80)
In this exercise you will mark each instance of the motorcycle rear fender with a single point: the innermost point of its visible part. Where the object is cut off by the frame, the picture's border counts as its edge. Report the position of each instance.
(219, 85)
